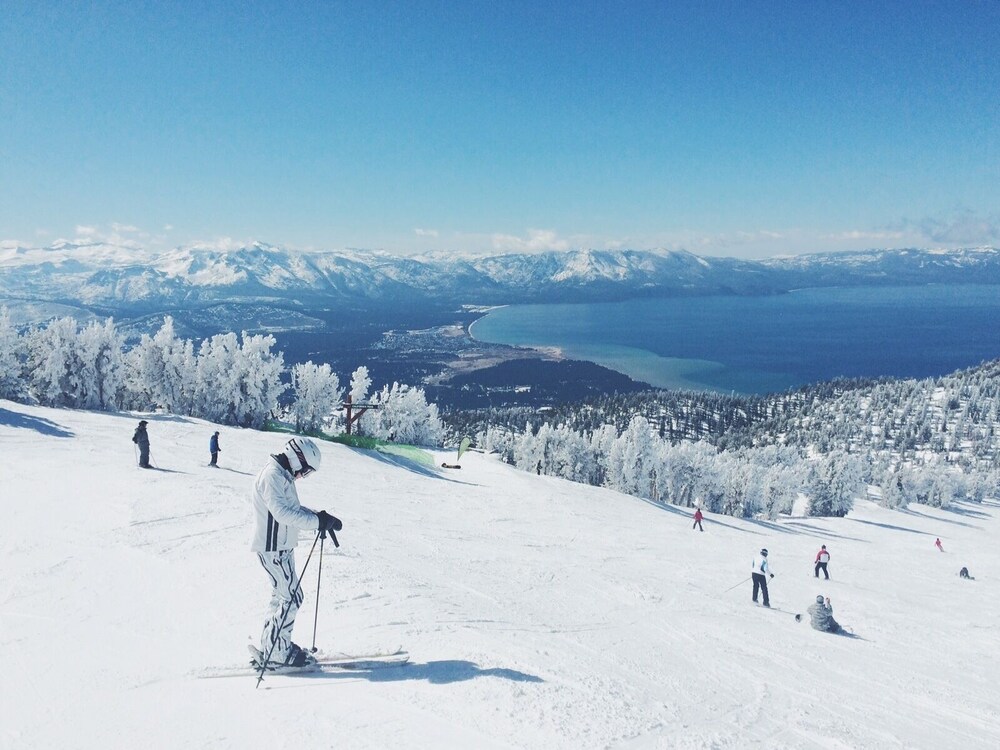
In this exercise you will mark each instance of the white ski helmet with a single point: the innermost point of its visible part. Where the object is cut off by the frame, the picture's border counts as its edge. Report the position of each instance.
(303, 455)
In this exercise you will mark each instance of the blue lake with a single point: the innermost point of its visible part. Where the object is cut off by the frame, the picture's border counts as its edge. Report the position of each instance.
(764, 344)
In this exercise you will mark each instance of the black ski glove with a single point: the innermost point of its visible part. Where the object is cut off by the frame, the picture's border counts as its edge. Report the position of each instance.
(328, 522)
(772, 575)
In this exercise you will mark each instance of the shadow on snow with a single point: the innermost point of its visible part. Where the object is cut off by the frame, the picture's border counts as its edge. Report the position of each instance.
(38, 424)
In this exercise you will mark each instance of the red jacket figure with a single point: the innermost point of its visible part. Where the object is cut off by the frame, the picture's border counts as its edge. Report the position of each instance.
(937, 543)
(822, 558)
(697, 519)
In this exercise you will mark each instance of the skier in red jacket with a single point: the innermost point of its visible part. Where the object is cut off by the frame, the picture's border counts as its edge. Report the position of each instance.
(937, 543)
(822, 558)
(697, 519)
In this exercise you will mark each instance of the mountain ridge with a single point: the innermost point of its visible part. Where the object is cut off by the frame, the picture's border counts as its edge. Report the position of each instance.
(127, 280)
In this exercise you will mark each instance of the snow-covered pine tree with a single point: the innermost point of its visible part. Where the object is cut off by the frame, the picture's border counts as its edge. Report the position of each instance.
(317, 396)
(12, 354)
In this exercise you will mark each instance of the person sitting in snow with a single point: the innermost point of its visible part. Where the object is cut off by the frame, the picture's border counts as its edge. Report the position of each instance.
(964, 573)
(278, 516)
(821, 616)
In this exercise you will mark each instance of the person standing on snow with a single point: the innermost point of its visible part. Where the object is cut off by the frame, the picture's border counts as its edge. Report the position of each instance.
(697, 519)
(141, 438)
(761, 572)
(822, 558)
(278, 516)
(821, 616)
(937, 543)
(214, 449)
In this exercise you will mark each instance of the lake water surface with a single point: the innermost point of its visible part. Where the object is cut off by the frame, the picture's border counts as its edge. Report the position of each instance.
(764, 344)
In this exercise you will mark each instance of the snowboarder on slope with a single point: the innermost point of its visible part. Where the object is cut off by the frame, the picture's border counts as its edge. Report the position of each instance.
(278, 516)
(214, 449)
(697, 519)
(141, 438)
(761, 571)
(821, 616)
(937, 543)
(822, 558)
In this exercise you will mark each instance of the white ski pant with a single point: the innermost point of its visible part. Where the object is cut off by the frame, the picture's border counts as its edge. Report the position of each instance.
(286, 596)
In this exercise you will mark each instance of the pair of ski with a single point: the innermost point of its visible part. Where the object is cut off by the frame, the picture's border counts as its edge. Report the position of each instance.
(323, 663)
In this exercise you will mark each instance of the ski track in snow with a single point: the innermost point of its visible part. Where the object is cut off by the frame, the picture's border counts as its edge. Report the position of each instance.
(538, 613)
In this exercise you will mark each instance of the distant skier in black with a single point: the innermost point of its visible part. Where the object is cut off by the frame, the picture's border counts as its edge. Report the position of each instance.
(214, 449)
(964, 573)
(821, 616)
(822, 558)
(760, 574)
(141, 438)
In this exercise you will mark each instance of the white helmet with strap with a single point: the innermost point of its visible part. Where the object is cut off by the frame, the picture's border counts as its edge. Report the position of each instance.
(303, 455)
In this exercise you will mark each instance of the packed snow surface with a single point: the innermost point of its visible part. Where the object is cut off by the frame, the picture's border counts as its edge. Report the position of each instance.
(538, 613)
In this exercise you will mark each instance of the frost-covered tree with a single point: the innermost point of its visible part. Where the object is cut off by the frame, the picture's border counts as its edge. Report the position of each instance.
(317, 396)
(102, 365)
(630, 462)
(404, 416)
(238, 383)
(529, 453)
(53, 364)
(834, 481)
(360, 383)
(12, 355)
(160, 369)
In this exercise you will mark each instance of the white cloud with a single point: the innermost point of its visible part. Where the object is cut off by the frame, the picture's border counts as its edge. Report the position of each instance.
(425, 232)
(83, 230)
(538, 240)
(116, 227)
(962, 228)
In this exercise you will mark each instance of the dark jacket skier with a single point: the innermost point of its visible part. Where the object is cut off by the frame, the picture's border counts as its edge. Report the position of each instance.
(278, 516)
(821, 616)
(141, 439)
(214, 449)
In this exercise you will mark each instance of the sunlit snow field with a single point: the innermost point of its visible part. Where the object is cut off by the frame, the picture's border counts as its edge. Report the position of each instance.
(538, 613)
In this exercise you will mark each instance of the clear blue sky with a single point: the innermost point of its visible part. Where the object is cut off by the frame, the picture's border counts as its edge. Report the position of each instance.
(731, 128)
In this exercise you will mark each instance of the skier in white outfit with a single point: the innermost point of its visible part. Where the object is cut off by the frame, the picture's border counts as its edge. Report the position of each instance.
(760, 572)
(278, 516)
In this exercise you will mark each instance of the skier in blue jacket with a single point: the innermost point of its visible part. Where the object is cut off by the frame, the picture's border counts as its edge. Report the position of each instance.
(214, 449)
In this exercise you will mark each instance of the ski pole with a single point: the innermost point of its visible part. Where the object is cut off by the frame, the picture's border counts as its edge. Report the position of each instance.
(277, 633)
(319, 579)
(738, 584)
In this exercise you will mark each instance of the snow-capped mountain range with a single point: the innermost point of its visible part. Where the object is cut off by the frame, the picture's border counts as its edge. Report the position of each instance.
(103, 278)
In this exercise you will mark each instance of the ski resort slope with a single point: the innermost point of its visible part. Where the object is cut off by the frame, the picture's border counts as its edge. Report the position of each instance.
(538, 613)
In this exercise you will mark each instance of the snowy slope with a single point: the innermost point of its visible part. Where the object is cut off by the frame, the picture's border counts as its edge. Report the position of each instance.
(538, 613)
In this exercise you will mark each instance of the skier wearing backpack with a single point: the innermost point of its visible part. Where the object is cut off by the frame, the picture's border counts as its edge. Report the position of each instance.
(760, 574)
(141, 438)
(822, 558)
(278, 516)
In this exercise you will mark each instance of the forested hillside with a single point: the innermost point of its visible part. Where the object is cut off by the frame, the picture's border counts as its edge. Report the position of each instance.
(930, 441)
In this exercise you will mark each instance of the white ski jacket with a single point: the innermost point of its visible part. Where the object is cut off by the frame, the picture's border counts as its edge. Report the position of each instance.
(277, 513)
(760, 565)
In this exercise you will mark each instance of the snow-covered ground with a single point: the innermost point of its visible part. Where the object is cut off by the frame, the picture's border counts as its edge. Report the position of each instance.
(538, 613)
